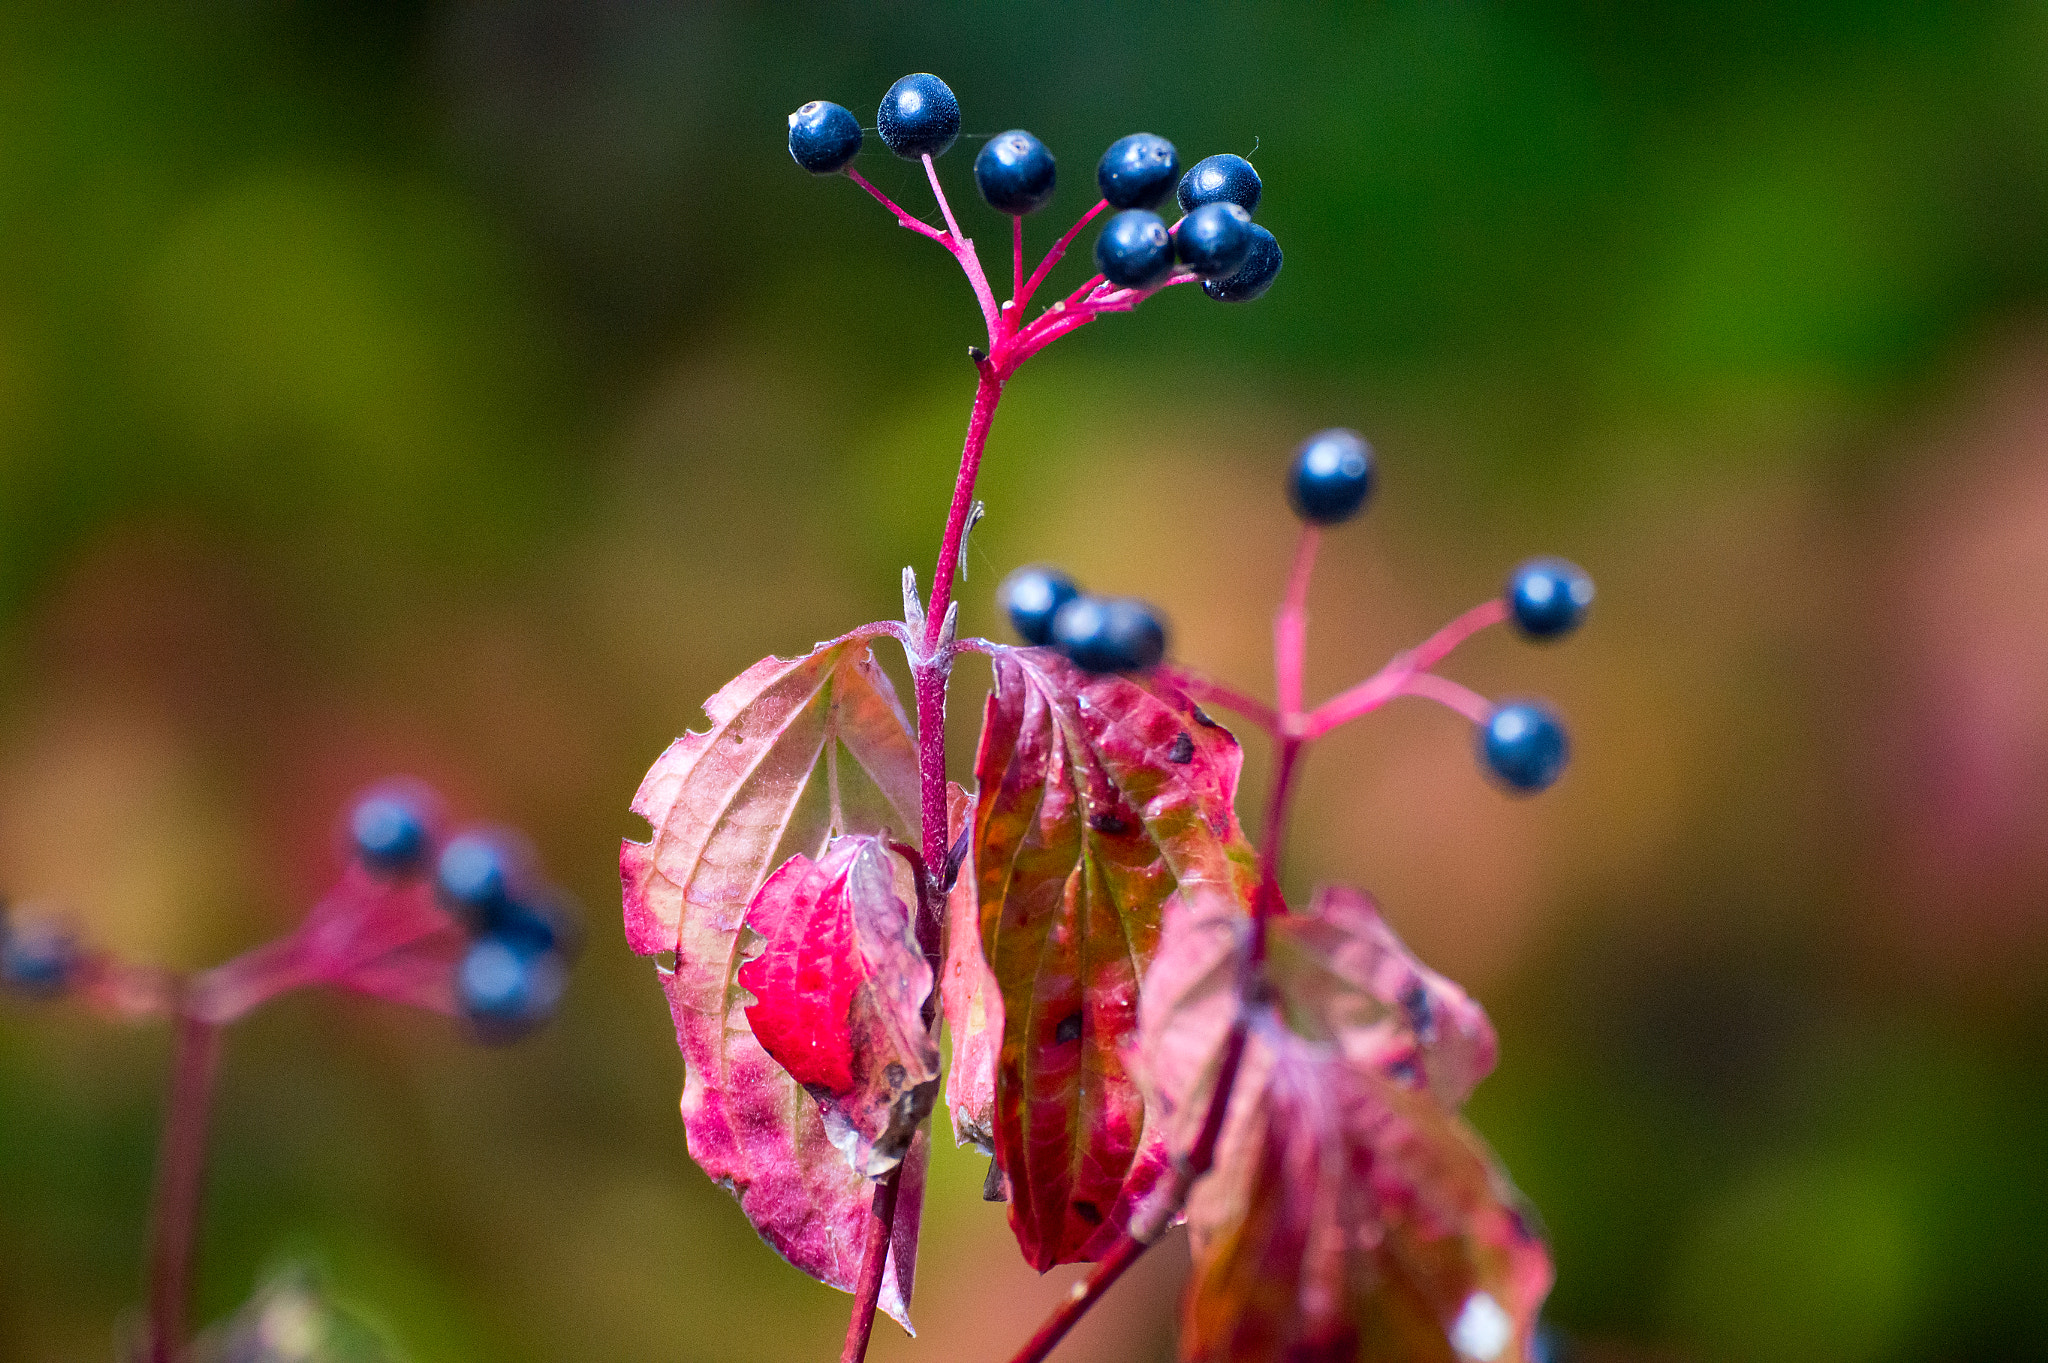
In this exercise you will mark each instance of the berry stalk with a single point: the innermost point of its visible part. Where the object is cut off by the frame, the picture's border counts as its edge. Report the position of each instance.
(180, 1177)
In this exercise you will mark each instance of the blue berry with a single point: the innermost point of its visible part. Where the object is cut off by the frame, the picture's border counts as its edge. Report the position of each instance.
(476, 874)
(1109, 634)
(1261, 267)
(389, 831)
(1135, 251)
(1524, 745)
(823, 136)
(1214, 239)
(37, 956)
(1332, 476)
(1032, 596)
(505, 988)
(1137, 170)
(919, 117)
(1548, 597)
(1220, 179)
(1014, 172)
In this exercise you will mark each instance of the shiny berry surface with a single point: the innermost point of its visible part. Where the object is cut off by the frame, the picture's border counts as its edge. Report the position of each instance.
(1524, 745)
(1251, 279)
(1109, 634)
(1014, 173)
(1548, 597)
(1137, 171)
(1213, 240)
(1135, 251)
(919, 117)
(1220, 179)
(823, 137)
(1331, 477)
(389, 832)
(1031, 596)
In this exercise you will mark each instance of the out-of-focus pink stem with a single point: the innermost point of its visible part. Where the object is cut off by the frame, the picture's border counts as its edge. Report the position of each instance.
(1202, 688)
(1390, 681)
(180, 1179)
(1449, 694)
(1052, 257)
(1290, 628)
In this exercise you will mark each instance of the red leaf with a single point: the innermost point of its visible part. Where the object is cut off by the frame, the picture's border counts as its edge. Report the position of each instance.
(840, 986)
(1102, 798)
(973, 1006)
(1351, 1212)
(722, 803)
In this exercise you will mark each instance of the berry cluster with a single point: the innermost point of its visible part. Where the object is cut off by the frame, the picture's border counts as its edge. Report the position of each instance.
(511, 974)
(1522, 743)
(1214, 241)
(38, 955)
(1096, 633)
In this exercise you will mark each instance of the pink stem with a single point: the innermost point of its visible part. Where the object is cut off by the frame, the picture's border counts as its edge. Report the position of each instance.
(970, 263)
(180, 1175)
(1449, 694)
(988, 391)
(1061, 318)
(1201, 688)
(1290, 628)
(903, 219)
(1390, 680)
(1052, 257)
(1016, 268)
(874, 1256)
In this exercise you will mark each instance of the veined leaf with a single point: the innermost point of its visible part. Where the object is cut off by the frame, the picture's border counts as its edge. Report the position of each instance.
(1102, 799)
(1351, 1212)
(839, 989)
(973, 1004)
(721, 802)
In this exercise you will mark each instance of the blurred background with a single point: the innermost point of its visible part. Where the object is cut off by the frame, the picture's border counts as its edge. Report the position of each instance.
(469, 390)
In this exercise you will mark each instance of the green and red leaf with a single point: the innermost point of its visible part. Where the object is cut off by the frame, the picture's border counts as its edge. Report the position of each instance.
(972, 1001)
(722, 804)
(1351, 1212)
(1102, 799)
(839, 987)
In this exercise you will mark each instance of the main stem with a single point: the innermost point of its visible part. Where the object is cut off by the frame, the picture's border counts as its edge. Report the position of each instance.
(180, 1176)
(930, 670)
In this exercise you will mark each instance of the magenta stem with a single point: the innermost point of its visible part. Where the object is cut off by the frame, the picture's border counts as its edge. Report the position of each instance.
(1052, 257)
(1448, 693)
(874, 1257)
(1016, 268)
(988, 391)
(180, 1177)
(1202, 688)
(1290, 629)
(1393, 679)
(970, 263)
(903, 219)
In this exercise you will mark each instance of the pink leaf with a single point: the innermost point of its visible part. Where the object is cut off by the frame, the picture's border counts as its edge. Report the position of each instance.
(721, 803)
(839, 987)
(1351, 1212)
(1102, 799)
(973, 1006)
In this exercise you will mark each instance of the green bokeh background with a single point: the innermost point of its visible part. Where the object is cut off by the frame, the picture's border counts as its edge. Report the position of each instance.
(468, 390)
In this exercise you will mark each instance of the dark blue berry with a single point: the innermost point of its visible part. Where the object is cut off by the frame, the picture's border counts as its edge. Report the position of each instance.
(1220, 179)
(389, 831)
(1032, 596)
(505, 988)
(1014, 172)
(823, 136)
(37, 956)
(1137, 171)
(1214, 239)
(1524, 745)
(1261, 267)
(1135, 251)
(1109, 634)
(919, 117)
(476, 874)
(1331, 477)
(1548, 597)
